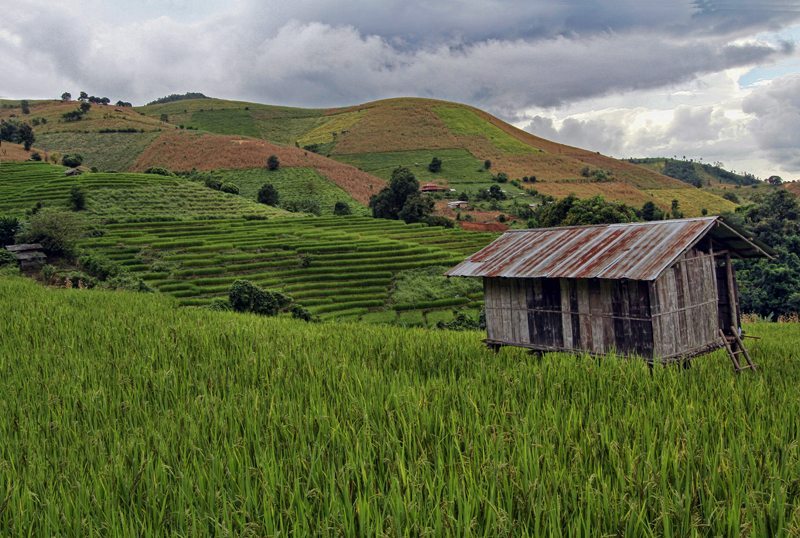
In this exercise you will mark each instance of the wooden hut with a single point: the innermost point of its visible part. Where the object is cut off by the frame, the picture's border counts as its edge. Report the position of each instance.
(665, 290)
(30, 256)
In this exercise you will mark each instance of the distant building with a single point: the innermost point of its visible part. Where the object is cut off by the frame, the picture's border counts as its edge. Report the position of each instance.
(72, 172)
(30, 256)
(433, 187)
(458, 204)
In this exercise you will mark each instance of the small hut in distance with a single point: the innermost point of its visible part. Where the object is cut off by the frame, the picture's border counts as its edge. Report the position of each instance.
(665, 290)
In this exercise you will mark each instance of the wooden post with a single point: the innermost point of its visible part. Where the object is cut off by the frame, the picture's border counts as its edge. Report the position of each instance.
(731, 291)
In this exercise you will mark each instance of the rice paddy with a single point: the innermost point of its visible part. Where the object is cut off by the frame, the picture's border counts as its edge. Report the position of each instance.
(125, 415)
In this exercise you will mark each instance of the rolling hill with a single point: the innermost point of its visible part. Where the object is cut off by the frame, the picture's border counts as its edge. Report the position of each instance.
(355, 148)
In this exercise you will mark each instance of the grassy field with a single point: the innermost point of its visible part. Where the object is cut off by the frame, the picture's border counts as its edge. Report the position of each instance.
(293, 185)
(124, 415)
(106, 151)
(338, 267)
(463, 122)
(119, 197)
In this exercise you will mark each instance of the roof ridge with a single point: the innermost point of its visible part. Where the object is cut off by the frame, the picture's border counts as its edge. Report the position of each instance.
(619, 224)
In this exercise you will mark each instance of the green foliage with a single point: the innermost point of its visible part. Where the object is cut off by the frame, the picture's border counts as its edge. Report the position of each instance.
(9, 226)
(435, 165)
(177, 97)
(675, 211)
(341, 209)
(651, 211)
(57, 231)
(389, 202)
(302, 206)
(731, 197)
(17, 132)
(487, 164)
(244, 296)
(273, 163)
(438, 220)
(268, 195)
(771, 288)
(115, 150)
(230, 188)
(77, 198)
(417, 208)
(7, 259)
(462, 321)
(36, 156)
(159, 171)
(98, 266)
(416, 286)
(73, 160)
(501, 177)
(571, 211)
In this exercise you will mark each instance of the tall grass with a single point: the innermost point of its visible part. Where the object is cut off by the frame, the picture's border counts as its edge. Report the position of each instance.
(125, 415)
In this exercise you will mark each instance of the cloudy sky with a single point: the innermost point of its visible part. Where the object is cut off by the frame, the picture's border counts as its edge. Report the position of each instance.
(717, 79)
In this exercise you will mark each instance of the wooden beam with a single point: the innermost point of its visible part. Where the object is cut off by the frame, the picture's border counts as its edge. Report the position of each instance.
(731, 291)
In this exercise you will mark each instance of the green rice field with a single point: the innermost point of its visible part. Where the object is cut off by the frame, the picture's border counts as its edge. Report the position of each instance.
(124, 415)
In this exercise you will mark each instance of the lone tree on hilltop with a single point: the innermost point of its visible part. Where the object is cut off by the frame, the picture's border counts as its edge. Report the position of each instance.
(435, 165)
(66, 96)
(85, 107)
(487, 164)
(268, 195)
(273, 163)
(83, 96)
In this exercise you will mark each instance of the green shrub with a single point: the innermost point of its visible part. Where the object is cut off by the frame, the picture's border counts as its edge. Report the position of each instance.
(9, 226)
(57, 231)
(341, 209)
(159, 171)
(7, 259)
(230, 188)
(73, 160)
(244, 296)
(268, 195)
(98, 266)
(77, 198)
(273, 163)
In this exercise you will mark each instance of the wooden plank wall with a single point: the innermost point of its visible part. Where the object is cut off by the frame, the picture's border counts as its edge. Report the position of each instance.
(685, 311)
(592, 315)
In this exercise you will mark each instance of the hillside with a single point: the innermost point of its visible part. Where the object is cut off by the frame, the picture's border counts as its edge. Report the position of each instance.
(129, 416)
(376, 137)
(355, 148)
(697, 174)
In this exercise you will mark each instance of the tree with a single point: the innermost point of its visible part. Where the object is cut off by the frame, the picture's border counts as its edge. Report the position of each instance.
(83, 96)
(77, 198)
(85, 107)
(341, 209)
(165, 118)
(435, 165)
(66, 96)
(268, 195)
(26, 136)
(775, 180)
(56, 230)
(9, 226)
(416, 208)
(388, 203)
(496, 193)
(26, 106)
(73, 160)
(651, 211)
(273, 163)
(487, 164)
(245, 296)
(501, 177)
(675, 211)
(230, 188)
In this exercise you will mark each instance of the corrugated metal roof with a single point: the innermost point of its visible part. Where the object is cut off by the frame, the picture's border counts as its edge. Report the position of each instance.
(635, 251)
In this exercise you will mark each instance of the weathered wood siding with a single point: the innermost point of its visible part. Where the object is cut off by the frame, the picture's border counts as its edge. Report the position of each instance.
(595, 315)
(685, 307)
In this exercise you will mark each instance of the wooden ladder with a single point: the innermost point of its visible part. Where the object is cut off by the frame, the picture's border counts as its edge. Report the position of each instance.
(736, 349)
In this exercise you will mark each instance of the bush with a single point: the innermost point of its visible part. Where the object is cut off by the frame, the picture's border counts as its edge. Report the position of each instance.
(435, 165)
(159, 171)
(73, 160)
(501, 177)
(438, 220)
(303, 206)
(7, 259)
(273, 163)
(731, 197)
(35, 156)
(487, 164)
(341, 209)
(298, 312)
(57, 231)
(77, 198)
(98, 266)
(9, 226)
(268, 195)
(213, 183)
(463, 322)
(127, 282)
(230, 188)
(244, 296)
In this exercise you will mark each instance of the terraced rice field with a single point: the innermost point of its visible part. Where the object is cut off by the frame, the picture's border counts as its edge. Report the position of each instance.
(106, 151)
(337, 267)
(120, 196)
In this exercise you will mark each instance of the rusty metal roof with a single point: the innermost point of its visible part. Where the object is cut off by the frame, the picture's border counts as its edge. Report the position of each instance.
(635, 251)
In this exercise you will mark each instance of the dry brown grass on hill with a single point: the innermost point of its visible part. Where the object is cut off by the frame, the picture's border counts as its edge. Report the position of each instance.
(182, 150)
(397, 125)
(617, 191)
(15, 152)
(99, 117)
(793, 187)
